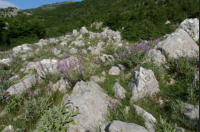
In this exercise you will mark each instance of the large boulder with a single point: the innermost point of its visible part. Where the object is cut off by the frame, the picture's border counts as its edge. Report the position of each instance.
(179, 43)
(23, 85)
(119, 126)
(191, 26)
(143, 83)
(92, 103)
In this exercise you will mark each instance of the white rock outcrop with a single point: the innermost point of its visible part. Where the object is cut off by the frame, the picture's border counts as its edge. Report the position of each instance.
(179, 43)
(191, 26)
(92, 103)
(142, 84)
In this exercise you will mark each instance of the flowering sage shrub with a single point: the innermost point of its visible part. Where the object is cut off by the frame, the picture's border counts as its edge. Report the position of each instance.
(76, 70)
(135, 54)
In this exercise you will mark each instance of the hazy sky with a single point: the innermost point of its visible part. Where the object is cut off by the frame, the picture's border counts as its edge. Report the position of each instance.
(27, 4)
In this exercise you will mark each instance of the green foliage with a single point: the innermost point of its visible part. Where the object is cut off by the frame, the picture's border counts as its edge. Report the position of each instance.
(55, 119)
(14, 103)
(184, 67)
(120, 113)
(35, 108)
(164, 126)
(2, 25)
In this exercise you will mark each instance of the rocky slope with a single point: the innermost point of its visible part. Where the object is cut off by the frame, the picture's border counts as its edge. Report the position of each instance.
(75, 57)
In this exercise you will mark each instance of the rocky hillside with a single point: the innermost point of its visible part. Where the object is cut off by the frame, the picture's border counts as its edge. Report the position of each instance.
(48, 7)
(97, 82)
(11, 11)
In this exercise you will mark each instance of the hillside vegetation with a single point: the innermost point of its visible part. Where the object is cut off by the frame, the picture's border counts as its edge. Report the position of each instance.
(129, 72)
(143, 19)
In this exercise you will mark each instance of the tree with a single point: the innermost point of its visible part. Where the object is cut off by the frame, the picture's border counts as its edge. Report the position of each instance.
(2, 25)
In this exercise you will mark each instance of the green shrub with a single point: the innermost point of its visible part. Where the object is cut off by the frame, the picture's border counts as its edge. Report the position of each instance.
(56, 118)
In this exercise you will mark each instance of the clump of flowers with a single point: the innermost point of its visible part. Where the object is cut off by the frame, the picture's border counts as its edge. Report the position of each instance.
(76, 70)
(135, 54)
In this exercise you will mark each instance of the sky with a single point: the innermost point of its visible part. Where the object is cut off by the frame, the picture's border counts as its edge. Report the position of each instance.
(28, 4)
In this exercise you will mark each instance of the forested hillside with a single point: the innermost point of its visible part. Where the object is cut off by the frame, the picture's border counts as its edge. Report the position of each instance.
(143, 19)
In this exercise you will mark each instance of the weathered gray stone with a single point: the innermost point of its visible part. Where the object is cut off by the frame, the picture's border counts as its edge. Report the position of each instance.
(63, 43)
(104, 57)
(179, 129)
(56, 52)
(119, 126)
(122, 67)
(24, 56)
(114, 71)
(75, 33)
(60, 85)
(97, 79)
(83, 30)
(73, 51)
(149, 119)
(21, 86)
(103, 73)
(119, 90)
(191, 114)
(167, 22)
(156, 56)
(92, 103)
(78, 43)
(94, 50)
(6, 61)
(9, 128)
(191, 26)
(179, 43)
(143, 83)
(14, 78)
(21, 48)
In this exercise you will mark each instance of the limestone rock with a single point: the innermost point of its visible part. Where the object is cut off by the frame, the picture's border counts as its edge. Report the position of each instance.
(104, 57)
(9, 128)
(122, 67)
(56, 51)
(83, 30)
(156, 56)
(114, 71)
(92, 103)
(191, 114)
(149, 119)
(143, 83)
(23, 85)
(75, 33)
(119, 90)
(118, 126)
(191, 26)
(60, 85)
(167, 22)
(179, 43)
(21, 48)
(97, 79)
(73, 51)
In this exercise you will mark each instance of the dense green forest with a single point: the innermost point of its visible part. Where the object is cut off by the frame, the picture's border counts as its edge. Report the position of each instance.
(143, 19)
